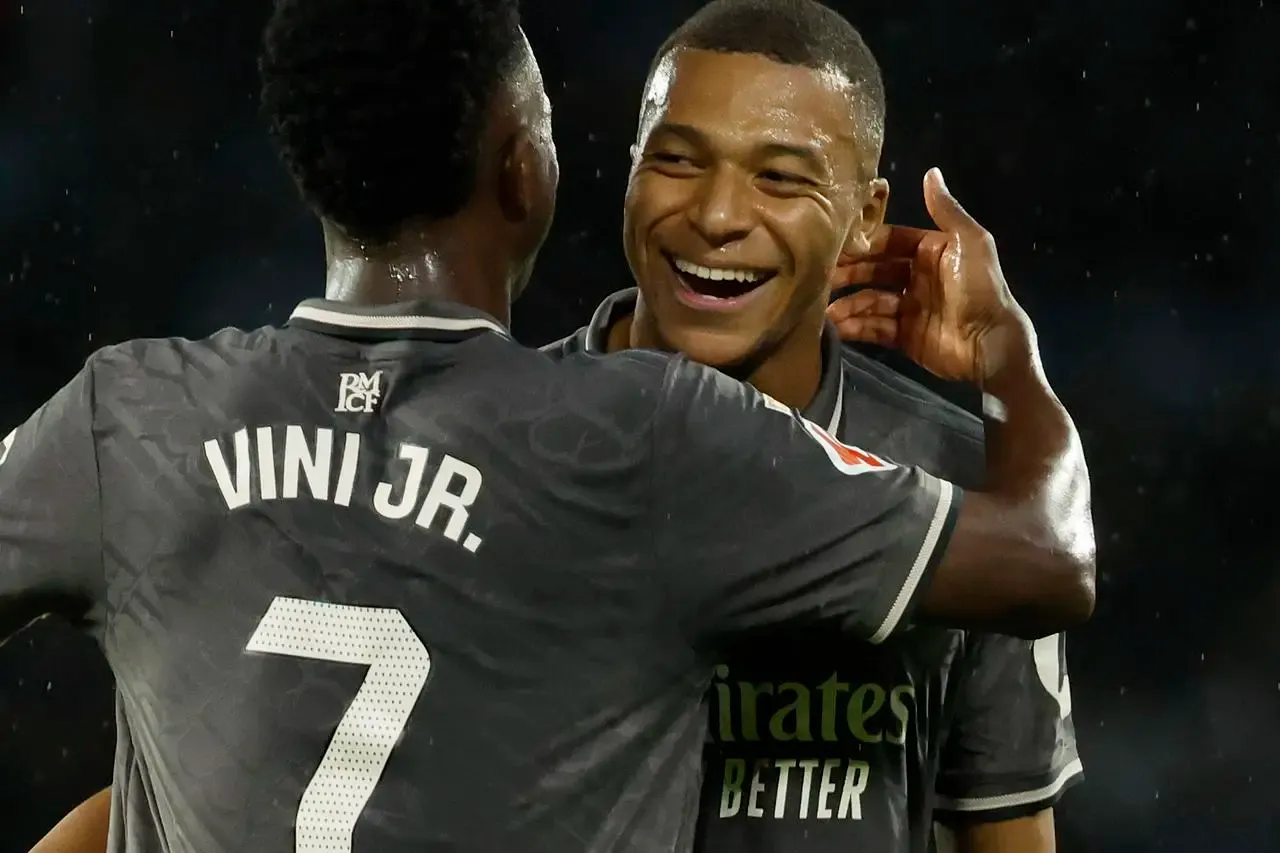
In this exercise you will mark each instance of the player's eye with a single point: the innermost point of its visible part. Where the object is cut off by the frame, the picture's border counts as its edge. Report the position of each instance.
(670, 160)
(774, 176)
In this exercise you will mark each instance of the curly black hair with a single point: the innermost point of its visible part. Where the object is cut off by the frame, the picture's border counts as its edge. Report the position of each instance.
(377, 106)
(791, 32)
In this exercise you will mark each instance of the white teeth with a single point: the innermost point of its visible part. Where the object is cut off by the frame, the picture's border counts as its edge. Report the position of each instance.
(713, 274)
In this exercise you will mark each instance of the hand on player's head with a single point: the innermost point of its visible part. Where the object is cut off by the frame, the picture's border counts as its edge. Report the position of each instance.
(938, 295)
(882, 274)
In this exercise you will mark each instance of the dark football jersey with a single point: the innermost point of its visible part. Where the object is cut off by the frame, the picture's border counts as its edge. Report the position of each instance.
(384, 580)
(821, 742)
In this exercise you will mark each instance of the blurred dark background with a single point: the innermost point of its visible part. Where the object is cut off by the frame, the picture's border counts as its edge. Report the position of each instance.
(1124, 154)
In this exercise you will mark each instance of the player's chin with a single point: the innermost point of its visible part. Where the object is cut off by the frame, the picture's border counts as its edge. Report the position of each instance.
(718, 345)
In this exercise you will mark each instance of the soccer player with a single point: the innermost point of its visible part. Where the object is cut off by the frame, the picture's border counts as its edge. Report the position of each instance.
(384, 580)
(755, 169)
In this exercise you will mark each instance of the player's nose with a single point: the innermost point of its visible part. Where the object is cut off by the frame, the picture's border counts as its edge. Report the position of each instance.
(722, 210)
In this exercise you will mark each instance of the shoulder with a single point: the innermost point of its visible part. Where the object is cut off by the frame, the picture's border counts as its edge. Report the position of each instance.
(657, 389)
(620, 378)
(911, 398)
(162, 352)
(899, 417)
(147, 365)
(566, 346)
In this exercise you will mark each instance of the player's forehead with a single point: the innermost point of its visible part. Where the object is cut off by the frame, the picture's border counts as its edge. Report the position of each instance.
(746, 100)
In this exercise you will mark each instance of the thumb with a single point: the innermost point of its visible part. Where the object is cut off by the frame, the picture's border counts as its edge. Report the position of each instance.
(946, 212)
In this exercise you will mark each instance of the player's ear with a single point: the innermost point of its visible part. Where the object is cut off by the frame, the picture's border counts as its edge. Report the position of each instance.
(517, 171)
(527, 179)
(875, 201)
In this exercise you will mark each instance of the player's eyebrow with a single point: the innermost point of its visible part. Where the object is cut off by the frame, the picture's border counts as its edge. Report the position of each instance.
(685, 132)
(804, 153)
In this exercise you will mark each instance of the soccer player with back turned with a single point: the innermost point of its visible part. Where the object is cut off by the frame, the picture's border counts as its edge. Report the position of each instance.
(382, 579)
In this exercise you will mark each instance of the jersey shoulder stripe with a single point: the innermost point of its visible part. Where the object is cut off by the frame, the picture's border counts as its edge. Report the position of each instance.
(845, 457)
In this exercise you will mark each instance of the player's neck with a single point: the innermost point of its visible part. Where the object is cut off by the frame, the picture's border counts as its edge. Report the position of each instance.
(791, 374)
(432, 265)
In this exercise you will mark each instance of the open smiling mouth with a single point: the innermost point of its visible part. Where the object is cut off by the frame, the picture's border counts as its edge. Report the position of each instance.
(717, 287)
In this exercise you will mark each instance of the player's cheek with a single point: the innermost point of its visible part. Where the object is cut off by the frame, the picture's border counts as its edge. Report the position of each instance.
(635, 238)
(816, 251)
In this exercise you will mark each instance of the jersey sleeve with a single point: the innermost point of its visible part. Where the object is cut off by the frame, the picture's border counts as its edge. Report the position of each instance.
(1011, 747)
(767, 520)
(50, 522)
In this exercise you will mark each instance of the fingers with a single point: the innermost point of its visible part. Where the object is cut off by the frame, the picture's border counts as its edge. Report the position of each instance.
(888, 274)
(869, 330)
(863, 304)
(868, 316)
(944, 209)
(895, 241)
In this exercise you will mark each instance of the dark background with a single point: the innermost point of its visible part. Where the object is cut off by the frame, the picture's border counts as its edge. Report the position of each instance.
(1124, 154)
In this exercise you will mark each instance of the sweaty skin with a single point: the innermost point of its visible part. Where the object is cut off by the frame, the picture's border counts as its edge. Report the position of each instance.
(510, 215)
(748, 164)
(83, 830)
(717, 181)
(742, 162)
(1032, 834)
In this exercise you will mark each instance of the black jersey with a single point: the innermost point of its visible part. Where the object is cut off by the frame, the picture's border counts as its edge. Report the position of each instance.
(384, 580)
(822, 742)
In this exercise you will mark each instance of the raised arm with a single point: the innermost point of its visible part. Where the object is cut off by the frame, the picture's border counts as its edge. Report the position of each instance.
(84, 830)
(957, 318)
(768, 520)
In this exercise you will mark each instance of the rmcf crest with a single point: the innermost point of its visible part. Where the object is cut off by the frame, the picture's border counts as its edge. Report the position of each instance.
(359, 392)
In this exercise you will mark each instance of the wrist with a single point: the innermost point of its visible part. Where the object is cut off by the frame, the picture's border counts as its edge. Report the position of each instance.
(1008, 355)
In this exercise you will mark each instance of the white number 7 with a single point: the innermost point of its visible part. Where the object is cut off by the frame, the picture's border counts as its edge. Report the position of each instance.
(398, 662)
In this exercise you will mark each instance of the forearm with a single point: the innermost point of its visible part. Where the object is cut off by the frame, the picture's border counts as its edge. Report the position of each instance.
(1032, 834)
(1020, 560)
(82, 831)
(1036, 472)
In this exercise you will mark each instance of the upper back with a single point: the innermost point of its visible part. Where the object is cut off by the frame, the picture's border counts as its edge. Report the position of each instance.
(327, 556)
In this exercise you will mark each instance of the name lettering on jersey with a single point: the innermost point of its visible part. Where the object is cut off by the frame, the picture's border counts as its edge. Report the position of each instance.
(832, 711)
(359, 392)
(7, 445)
(294, 462)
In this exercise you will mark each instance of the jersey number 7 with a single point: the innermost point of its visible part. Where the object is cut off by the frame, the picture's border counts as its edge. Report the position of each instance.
(398, 663)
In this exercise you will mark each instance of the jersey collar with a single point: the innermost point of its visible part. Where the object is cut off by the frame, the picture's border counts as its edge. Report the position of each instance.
(595, 335)
(423, 319)
(826, 408)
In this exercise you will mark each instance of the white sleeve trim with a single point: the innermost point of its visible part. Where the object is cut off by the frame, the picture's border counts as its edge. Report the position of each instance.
(946, 494)
(1021, 798)
(6, 446)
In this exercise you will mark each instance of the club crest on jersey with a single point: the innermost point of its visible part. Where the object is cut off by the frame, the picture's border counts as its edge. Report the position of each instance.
(359, 392)
(847, 458)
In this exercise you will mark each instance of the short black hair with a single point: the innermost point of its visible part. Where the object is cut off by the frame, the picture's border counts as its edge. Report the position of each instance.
(791, 32)
(377, 106)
